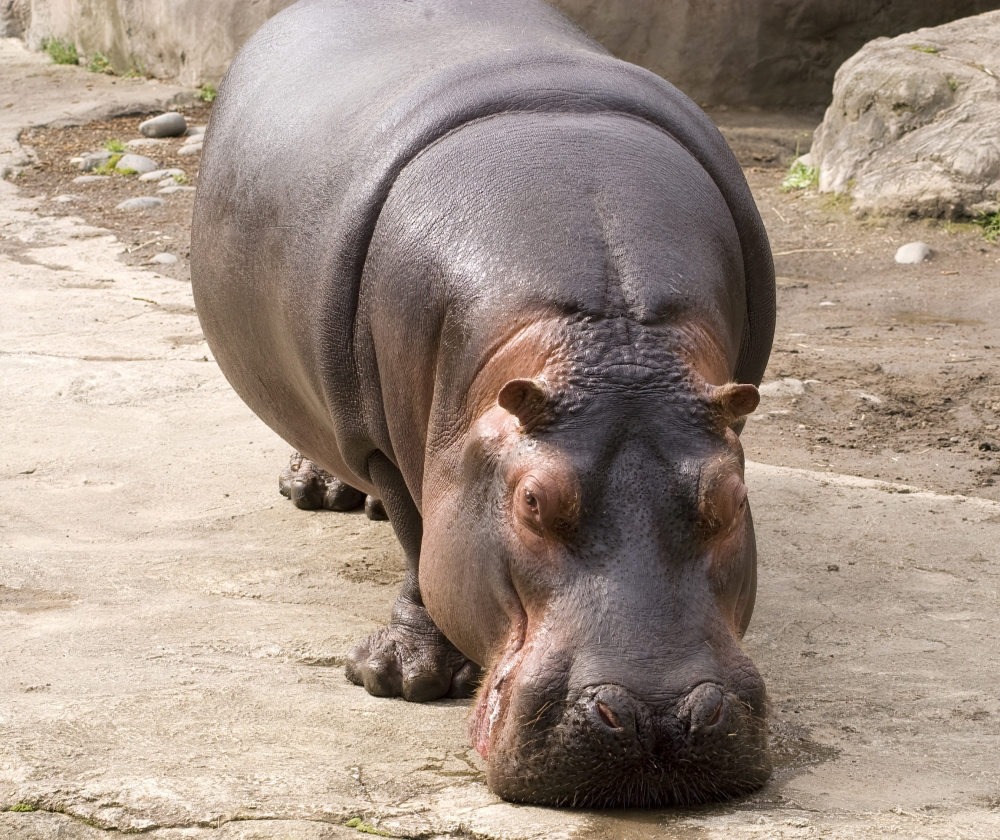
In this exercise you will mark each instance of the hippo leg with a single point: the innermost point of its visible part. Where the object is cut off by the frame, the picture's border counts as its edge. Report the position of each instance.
(411, 657)
(311, 488)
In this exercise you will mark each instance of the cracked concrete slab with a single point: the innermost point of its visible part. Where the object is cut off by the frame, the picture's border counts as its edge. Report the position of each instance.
(172, 632)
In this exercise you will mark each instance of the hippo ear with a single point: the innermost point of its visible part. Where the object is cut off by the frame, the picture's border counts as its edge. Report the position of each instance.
(526, 399)
(734, 401)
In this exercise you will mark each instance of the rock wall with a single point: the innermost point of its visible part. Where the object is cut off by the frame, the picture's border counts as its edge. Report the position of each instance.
(189, 41)
(754, 52)
(734, 52)
(914, 127)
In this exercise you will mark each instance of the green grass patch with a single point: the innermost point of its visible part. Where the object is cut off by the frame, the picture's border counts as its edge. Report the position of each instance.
(108, 167)
(359, 824)
(115, 146)
(925, 48)
(990, 223)
(953, 83)
(99, 63)
(800, 177)
(180, 179)
(22, 808)
(207, 93)
(61, 52)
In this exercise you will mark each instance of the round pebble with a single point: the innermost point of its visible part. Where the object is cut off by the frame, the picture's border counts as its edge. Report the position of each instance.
(194, 138)
(195, 129)
(164, 259)
(139, 142)
(64, 199)
(913, 253)
(90, 179)
(137, 163)
(160, 174)
(146, 202)
(165, 125)
(193, 149)
(174, 188)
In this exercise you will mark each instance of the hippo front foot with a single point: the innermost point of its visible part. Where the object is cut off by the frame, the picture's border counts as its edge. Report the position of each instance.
(311, 488)
(411, 659)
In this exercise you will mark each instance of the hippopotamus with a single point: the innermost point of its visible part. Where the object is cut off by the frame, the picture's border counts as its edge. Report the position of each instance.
(472, 266)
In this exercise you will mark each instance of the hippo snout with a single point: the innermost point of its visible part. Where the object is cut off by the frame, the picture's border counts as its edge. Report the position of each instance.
(611, 748)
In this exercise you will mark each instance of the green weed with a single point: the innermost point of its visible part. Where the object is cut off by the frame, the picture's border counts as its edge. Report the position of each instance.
(207, 93)
(953, 83)
(22, 808)
(108, 167)
(61, 52)
(799, 177)
(925, 48)
(180, 179)
(99, 64)
(360, 825)
(115, 146)
(990, 223)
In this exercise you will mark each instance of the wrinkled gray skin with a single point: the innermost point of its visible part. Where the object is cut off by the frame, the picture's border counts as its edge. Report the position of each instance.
(470, 264)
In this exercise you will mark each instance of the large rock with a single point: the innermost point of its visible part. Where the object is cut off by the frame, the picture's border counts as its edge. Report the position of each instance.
(914, 128)
(736, 52)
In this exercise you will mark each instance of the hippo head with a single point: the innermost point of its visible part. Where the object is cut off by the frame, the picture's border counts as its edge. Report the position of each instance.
(600, 560)
(586, 532)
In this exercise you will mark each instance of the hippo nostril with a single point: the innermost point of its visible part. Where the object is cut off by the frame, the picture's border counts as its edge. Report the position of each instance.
(704, 707)
(608, 716)
(717, 716)
(612, 711)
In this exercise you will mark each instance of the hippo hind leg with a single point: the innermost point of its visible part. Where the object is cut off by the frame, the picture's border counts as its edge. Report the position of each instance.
(311, 488)
(410, 657)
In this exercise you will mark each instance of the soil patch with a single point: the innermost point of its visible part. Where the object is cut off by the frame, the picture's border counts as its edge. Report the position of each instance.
(144, 233)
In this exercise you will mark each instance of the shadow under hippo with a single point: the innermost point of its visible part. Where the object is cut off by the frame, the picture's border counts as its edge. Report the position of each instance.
(470, 265)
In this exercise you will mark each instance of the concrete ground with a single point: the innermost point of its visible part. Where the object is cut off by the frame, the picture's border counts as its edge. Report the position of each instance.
(172, 632)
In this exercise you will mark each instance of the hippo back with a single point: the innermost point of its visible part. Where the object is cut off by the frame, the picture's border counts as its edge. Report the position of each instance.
(318, 115)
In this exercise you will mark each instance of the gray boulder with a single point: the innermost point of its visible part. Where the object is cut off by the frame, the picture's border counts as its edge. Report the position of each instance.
(137, 163)
(146, 202)
(165, 125)
(914, 127)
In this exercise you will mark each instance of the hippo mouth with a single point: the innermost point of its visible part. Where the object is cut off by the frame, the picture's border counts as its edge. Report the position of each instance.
(493, 702)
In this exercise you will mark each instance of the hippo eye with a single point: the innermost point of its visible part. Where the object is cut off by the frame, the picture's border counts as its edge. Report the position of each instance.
(530, 500)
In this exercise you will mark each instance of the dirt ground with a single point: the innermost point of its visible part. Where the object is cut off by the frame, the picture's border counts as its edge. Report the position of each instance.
(173, 633)
(895, 364)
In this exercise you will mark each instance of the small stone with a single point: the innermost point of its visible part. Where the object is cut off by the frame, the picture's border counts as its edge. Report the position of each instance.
(165, 125)
(913, 253)
(160, 174)
(194, 138)
(146, 202)
(137, 163)
(195, 129)
(832, 567)
(193, 149)
(164, 259)
(90, 179)
(827, 303)
(805, 160)
(783, 388)
(64, 199)
(174, 188)
(139, 142)
(93, 160)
